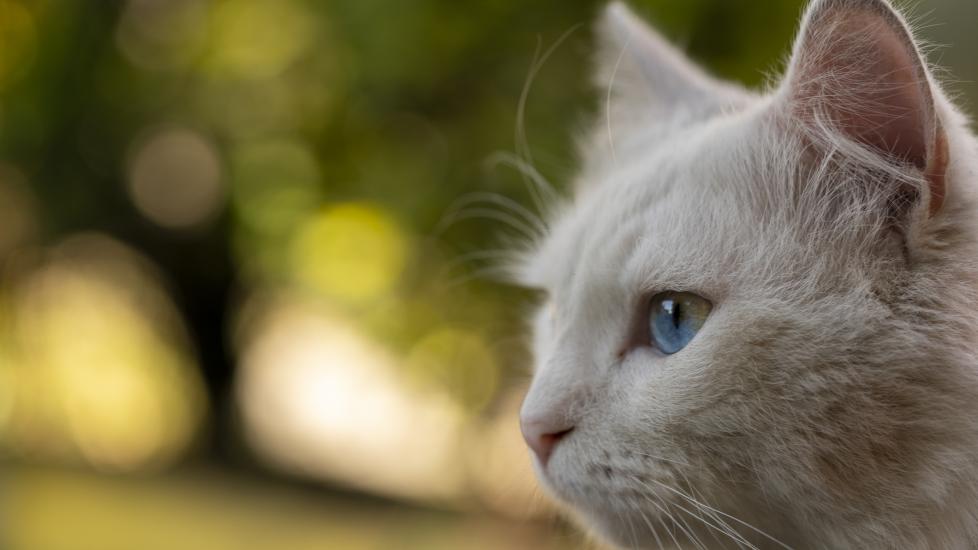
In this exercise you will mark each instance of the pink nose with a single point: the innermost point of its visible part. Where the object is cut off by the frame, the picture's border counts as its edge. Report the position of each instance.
(542, 437)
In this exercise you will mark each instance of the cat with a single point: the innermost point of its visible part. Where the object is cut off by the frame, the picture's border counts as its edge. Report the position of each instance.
(761, 323)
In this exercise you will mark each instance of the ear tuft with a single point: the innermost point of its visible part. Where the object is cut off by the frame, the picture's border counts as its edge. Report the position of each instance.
(857, 76)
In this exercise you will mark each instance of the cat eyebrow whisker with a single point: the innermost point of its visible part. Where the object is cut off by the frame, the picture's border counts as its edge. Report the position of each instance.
(536, 183)
(489, 254)
(611, 88)
(487, 273)
(504, 203)
(454, 216)
(522, 143)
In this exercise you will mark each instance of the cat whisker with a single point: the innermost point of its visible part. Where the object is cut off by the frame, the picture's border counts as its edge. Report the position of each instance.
(462, 260)
(713, 530)
(488, 273)
(652, 530)
(708, 507)
(522, 143)
(674, 521)
(536, 182)
(505, 203)
(721, 526)
(631, 528)
(725, 527)
(509, 220)
(663, 523)
(611, 87)
(690, 532)
(718, 525)
(663, 459)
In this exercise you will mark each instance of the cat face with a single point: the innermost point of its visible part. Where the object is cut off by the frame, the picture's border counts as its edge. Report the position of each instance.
(824, 231)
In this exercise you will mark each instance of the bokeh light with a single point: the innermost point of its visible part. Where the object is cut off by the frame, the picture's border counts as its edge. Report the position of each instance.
(277, 183)
(8, 382)
(162, 35)
(259, 38)
(97, 362)
(320, 399)
(175, 178)
(18, 40)
(350, 252)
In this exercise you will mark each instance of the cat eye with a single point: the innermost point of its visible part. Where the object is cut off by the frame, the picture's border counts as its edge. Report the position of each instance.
(675, 318)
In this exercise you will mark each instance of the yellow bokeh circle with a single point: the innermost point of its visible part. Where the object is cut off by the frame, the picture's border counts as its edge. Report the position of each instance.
(351, 252)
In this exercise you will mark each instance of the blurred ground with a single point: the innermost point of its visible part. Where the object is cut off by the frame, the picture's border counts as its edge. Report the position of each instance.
(214, 510)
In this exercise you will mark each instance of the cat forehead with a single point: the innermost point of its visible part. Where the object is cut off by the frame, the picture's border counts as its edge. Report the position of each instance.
(655, 213)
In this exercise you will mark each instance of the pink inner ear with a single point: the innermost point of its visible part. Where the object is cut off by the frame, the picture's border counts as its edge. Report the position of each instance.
(895, 120)
(857, 71)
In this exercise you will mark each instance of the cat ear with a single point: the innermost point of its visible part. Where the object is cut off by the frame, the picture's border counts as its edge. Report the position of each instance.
(856, 74)
(643, 72)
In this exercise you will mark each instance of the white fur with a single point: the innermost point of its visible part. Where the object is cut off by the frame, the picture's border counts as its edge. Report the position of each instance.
(831, 399)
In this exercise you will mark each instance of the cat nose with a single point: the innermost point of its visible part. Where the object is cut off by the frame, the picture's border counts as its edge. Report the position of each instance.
(542, 436)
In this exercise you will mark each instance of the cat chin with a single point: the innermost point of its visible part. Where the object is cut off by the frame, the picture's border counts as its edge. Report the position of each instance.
(626, 521)
(630, 518)
(620, 519)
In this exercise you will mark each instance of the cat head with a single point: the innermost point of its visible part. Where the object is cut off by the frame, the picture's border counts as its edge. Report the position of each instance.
(761, 307)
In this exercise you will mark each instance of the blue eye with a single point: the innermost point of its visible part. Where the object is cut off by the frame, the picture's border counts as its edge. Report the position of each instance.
(675, 318)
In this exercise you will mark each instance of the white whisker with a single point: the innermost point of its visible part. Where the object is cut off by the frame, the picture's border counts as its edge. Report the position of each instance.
(723, 527)
(611, 88)
(489, 214)
(532, 176)
(506, 203)
(707, 507)
(652, 530)
(522, 143)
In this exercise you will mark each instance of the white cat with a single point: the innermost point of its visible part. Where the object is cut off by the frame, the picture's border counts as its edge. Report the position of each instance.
(762, 317)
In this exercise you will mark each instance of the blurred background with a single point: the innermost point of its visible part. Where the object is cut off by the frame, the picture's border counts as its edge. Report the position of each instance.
(247, 251)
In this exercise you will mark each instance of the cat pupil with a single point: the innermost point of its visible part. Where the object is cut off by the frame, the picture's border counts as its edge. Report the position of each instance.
(674, 308)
